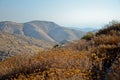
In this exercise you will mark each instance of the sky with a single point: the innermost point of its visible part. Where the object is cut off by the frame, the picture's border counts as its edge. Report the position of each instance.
(69, 13)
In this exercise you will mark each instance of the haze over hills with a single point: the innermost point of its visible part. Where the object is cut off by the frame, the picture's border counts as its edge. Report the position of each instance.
(43, 30)
(85, 29)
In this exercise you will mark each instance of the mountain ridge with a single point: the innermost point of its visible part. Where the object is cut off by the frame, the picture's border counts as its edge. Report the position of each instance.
(43, 30)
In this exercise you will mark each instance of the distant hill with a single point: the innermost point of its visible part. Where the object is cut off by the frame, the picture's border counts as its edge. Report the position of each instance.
(42, 30)
(86, 29)
(32, 37)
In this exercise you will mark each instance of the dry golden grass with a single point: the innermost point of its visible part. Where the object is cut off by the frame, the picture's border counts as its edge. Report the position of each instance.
(59, 62)
(94, 59)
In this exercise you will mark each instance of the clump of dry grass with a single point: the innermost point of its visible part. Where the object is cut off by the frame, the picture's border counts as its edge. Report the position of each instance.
(106, 52)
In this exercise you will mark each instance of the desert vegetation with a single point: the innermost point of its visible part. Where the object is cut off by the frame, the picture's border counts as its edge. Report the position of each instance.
(94, 57)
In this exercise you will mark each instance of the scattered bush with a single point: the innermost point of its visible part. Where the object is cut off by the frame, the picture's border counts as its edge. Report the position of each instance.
(88, 36)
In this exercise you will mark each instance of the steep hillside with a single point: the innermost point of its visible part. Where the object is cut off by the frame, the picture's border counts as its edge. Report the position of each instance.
(11, 45)
(43, 30)
(97, 58)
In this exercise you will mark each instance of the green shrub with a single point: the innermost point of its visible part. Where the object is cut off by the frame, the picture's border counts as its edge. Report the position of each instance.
(88, 36)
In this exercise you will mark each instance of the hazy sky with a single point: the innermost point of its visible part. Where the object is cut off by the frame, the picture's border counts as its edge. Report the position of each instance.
(81, 13)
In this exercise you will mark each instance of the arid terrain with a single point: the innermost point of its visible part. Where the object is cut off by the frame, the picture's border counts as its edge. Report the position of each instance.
(96, 56)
